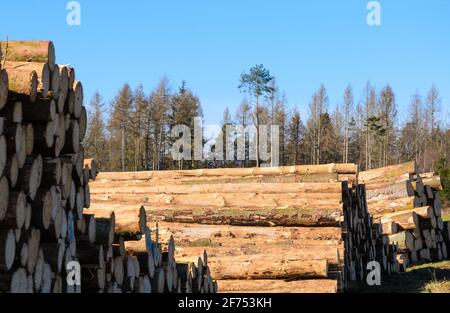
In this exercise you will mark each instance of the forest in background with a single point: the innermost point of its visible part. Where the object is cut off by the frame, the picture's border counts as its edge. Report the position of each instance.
(133, 132)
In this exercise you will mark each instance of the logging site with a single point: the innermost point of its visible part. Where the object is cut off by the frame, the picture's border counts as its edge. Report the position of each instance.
(109, 187)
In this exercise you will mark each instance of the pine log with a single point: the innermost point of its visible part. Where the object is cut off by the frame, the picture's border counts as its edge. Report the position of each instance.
(393, 173)
(54, 255)
(15, 214)
(72, 143)
(72, 76)
(63, 87)
(76, 99)
(4, 84)
(258, 267)
(12, 171)
(28, 131)
(42, 70)
(13, 136)
(4, 197)
(29, 51)
(42, 111)
(3, 154)
(378, 207)
(7, 249)
(83, 121)
(52, 171)
(12, 112)
(33, 242)
(305, 252)
(30, 176)
(55, 81)
(44, 135)
(334, 189)
(23, 82)
(277, 286)
(233, 172)
(239, 200)
(42, 208)
(292, 217)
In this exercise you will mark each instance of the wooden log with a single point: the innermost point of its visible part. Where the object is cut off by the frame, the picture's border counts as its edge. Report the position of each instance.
(30, 176)
(30, 51)
(12, 171)
(64, 87)
(33, 242)
(42, 70)
(12, 112)
(391, 205)
(305, 252)
(42, 208)
(52, 171)
(72, 76)
(83, 120)
(7, 249)
(4, 84)
(4, 197)
(3, 155)
(54, 255)
(22, 152)
(388, 174)
(381, 191)
(42, 111)
(15, 213)
(55, 81)
(257, 267)
(239, 200)
(13, 136)
(28, 131)
(23, 82)
(76, 98)
(335, 189)
(234, 172)
(278, 286)
(295, 217)
(72, 143)
(44, 135)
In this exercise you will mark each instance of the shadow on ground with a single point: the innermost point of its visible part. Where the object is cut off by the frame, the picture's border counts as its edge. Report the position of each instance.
(425, 278)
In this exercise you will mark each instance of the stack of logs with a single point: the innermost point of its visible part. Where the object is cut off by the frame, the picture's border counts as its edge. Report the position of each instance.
(44, 190)
(286, 229)
(407, 209)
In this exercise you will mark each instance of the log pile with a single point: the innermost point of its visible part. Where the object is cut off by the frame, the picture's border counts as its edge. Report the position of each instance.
(247, 219)
(44, 191)
(407, 209)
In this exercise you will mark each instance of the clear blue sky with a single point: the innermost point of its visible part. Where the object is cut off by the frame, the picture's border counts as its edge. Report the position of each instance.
(209, 43)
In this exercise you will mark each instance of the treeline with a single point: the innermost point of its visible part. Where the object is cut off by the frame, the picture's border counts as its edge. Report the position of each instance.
(133, 132)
